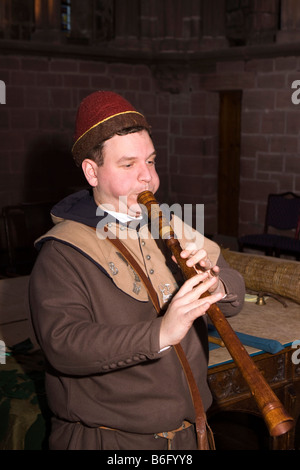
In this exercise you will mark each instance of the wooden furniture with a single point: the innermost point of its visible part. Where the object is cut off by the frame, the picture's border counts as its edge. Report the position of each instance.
(283, 215)
(231, 394)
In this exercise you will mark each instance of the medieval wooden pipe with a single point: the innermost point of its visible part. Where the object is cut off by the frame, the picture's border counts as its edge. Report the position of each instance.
(274, 414)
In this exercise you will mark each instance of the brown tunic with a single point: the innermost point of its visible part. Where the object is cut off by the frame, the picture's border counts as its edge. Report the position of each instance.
(101, 341)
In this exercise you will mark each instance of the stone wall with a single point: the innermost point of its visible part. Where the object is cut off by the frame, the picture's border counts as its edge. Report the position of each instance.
(177, 83)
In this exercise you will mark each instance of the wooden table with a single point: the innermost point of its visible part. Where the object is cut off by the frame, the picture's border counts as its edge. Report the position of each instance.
(231, 393)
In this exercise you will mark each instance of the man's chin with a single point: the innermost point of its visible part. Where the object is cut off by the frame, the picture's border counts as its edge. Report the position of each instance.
(134, 210)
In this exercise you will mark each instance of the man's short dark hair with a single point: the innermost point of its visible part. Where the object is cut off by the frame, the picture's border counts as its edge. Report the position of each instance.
(96, 154)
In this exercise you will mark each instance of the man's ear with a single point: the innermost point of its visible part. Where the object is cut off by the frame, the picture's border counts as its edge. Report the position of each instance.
(90, 170)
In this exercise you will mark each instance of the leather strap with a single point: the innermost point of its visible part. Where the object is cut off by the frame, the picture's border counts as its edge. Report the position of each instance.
(201, 422)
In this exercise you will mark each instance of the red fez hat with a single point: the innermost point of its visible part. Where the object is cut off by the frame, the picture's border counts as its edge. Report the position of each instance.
(100, 116)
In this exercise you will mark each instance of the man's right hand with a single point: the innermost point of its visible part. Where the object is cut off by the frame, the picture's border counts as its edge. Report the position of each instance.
(185, 307)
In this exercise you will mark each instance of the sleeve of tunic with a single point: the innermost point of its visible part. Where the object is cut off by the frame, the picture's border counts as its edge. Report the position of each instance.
(234, 285)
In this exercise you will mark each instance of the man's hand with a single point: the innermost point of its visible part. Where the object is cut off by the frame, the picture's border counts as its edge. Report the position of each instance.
(200, 261)
(185, 307)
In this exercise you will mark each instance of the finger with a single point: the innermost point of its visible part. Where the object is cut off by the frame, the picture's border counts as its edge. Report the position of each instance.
(174, 259)
(206, 263)
(209, 284)
(206, 266)
(200, 261)
(215, 286)
(195, 257)
(215, 271)
(190, 249)
(199, 307)
(191, 283)
(195, 293)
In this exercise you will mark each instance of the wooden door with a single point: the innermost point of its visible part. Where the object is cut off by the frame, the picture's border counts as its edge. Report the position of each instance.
(229, 162)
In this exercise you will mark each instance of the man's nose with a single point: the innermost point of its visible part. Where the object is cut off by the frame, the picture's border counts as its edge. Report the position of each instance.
(145, 174)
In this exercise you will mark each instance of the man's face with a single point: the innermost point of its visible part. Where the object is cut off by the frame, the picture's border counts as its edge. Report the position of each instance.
(128, 169)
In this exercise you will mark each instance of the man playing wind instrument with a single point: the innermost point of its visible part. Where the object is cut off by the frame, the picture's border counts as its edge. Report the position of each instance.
(113, 378)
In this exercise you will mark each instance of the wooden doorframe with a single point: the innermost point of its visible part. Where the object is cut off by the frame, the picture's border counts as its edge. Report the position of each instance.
(229, 162)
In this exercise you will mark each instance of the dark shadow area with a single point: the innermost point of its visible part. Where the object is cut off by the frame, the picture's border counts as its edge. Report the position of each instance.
(239, 431)
(50, 175)
(297, 435)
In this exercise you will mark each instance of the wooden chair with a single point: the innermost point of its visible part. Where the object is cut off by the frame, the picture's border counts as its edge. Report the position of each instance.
(283, 215)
